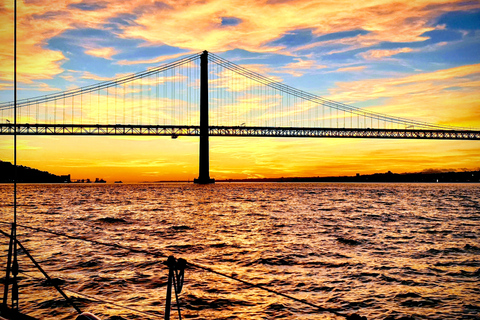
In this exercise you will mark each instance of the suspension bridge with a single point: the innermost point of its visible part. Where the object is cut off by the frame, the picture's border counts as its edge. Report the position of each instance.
(205, 95)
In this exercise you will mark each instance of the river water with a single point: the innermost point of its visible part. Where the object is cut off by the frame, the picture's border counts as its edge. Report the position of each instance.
(383, 251)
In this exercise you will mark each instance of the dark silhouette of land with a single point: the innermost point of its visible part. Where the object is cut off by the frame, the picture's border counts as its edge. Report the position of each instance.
(426, 176)
(28, 175)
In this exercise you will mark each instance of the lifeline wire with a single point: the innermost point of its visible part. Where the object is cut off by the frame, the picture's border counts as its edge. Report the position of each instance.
(44, 273)
(334, 311)
(98, 299)
(136, 250)
(103, 300)
(320, 308)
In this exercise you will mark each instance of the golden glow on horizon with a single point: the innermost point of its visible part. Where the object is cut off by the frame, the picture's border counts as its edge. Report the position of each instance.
(161, 158)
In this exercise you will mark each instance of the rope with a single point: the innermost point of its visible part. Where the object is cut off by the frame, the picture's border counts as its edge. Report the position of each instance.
(205, 268)
(320, 308)
(103, 300)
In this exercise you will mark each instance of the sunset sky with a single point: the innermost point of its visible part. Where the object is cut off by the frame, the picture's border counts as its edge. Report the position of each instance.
(417, 59)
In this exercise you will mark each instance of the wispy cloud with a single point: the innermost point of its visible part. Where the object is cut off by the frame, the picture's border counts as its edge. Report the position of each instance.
(351, 69)
(106, 52)
(381, 54)
(300, 67)
(448, 96)
(156, 60)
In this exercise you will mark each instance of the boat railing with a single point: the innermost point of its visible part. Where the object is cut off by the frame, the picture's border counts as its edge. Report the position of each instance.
(176, 273)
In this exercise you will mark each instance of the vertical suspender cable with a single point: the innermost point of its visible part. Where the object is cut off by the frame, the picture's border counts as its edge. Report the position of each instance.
(73, 103)
(124, 101)
(141, 101)
(156, 99)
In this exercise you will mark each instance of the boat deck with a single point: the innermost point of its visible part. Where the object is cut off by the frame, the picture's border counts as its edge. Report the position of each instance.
(9, 314)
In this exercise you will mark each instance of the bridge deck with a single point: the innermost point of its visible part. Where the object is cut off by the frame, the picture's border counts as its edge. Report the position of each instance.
(235, 131)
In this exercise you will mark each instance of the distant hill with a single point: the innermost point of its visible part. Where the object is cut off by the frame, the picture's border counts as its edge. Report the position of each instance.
(463, 176)
(28, 175)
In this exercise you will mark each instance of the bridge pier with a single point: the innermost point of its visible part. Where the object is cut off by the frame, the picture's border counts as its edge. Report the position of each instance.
(204, 165)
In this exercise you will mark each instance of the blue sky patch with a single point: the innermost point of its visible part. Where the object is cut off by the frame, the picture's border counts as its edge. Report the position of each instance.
(446, 56)
(150, 52)
(344, 57)
(301, 37)
(294, 38)
(74, 43)
(341, 35)
(437, 36)
(237, 54)
(49, 15)
(124, 20)
(231, 21)
(87, 6)
(461, 20)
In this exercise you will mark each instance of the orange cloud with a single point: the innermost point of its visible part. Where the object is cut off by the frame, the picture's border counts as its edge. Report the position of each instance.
(298, 68)
(351, 69)
(33, 61)
(448, 96)
(197, 26)
(105, 53)
(152, 61)
(380, 54)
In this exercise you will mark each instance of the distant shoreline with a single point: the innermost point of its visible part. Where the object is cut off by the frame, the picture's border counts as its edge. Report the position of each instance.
(30, 175)
(445, 177)
(419, 177)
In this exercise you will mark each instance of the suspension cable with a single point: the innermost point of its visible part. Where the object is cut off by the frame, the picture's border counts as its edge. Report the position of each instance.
(101, 85)
(320, 100)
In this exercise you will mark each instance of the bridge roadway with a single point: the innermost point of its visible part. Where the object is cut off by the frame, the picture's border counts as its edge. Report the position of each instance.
(234, 131)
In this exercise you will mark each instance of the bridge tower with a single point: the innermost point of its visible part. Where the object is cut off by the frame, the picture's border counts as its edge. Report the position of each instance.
(204, 166)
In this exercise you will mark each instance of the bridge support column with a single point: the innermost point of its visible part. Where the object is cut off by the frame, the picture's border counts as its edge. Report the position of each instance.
(204, 166)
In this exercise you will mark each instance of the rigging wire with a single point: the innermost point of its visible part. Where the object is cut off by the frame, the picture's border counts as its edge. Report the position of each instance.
(193, 265)
(105, 301)
(95, 297)
(14, 265)
(43, 272)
